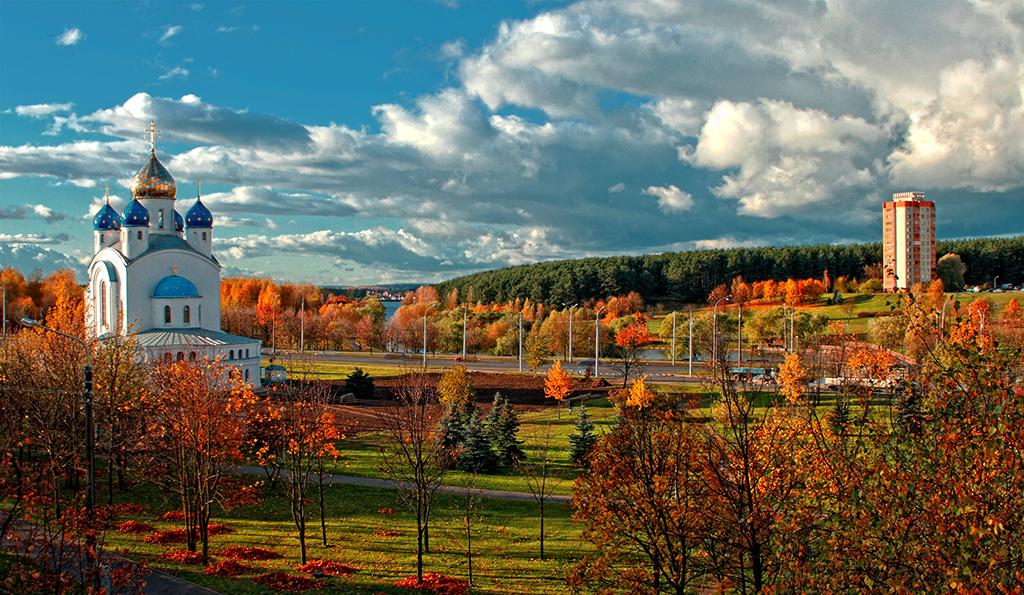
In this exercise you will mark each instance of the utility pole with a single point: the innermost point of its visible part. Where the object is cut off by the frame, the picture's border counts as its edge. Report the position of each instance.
(465, 315)
(597, 340)
(714, 329)
(425, 334)
(302, 325)
(5, 310)
(520, 341)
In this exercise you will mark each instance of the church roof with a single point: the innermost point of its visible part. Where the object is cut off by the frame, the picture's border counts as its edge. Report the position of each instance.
(173, 286)
(136, 215)
(185, 337)
(199, 217)
(153, 180)
(106, 219)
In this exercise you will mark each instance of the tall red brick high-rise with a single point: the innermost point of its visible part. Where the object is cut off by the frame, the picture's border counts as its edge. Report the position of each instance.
(908, 241)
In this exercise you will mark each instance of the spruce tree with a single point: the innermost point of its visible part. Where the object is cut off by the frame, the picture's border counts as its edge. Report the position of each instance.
(476, 456)
(503, 429)
(582, 441)
(452, 429)
(360, 384)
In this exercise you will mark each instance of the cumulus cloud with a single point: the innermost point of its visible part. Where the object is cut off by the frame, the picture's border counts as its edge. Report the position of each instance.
(32, 257)
(670, 198)
(33, 238)
(70, 36)
(264, 200)
(25, 211)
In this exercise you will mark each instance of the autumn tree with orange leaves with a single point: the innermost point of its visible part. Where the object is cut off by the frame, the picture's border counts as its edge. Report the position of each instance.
(631, 341)
(196, 431)
(558, 383)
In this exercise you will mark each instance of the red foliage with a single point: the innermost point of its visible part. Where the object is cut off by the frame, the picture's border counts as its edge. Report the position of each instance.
(172, 516)
(328, 567)
(218, 529)
(168, 536)
(386, 511)
(230, 567)
(436, 583)
(134, 527)
(182, 556)
(244, 496)
(282, 581)
(387, 533)
(241, 552)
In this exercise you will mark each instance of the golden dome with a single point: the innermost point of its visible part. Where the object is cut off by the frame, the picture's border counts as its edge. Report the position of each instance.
(153, 180)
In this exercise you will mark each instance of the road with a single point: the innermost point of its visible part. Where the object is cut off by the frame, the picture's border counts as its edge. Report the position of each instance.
(659, 371)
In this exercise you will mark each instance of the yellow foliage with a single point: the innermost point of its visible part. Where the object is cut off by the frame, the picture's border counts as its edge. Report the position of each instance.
(558, 383)
(455, 386)
(639, 395)
(792, 378)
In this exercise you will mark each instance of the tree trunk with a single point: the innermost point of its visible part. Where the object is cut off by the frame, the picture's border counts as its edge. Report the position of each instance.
(542, 528)
(419, 541)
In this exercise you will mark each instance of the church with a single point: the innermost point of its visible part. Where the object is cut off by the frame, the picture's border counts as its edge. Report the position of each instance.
(153, 274)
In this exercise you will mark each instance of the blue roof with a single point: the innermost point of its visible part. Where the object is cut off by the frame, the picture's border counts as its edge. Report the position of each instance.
(179, 222)
(173, 286)
(136, 215)
(199, 216)
(106, 219)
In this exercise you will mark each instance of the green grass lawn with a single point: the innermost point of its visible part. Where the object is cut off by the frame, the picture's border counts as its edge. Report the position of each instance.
(321, 370)
(361, 453)
(505, 542)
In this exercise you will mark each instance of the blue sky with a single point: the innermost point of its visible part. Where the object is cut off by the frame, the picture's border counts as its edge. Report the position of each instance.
(363, 142)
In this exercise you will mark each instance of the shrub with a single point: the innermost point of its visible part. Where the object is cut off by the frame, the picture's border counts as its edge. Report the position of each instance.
(172, 516)
(360, 384)
(387, 533)
(168, 536)
(870, 286)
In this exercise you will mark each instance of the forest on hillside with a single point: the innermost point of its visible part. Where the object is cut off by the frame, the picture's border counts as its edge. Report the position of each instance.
(690, 276)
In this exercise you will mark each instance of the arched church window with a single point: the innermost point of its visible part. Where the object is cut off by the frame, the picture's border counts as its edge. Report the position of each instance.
(231, 354)
(181, 356)
(161, 218)
(103, 304)
(167, 315)
(167, 358)
(191, 356)
(247, 374)
(204, 236)
(200, 314)
(246, 354)
(139, 234)
(186, 315)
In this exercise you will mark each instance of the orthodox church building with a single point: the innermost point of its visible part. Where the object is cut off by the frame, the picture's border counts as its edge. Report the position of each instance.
(153, 274)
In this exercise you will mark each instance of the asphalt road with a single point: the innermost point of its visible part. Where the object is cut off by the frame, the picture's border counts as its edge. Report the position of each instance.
(657, 371)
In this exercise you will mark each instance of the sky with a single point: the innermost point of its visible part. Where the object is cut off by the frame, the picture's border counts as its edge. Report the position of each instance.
(349, 143)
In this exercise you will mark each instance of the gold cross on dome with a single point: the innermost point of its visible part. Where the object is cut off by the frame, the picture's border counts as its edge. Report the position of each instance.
(174, 269)
(152, 130)
(199, 187)
(106, 192)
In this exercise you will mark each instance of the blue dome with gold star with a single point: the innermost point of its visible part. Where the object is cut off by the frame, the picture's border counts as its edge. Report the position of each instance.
(199, 217)
(136, 215)
(106, 219)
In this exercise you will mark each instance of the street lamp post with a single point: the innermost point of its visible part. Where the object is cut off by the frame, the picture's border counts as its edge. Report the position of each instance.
(597, 340)
(90, 439)
(570, 330)
(520, 341)
(425, 312)
(673, 339)
(465, 315)
(690, 371)
(739, 335)
(714, 329)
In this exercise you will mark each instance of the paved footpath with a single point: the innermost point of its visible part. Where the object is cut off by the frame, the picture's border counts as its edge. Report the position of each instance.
(389, 484)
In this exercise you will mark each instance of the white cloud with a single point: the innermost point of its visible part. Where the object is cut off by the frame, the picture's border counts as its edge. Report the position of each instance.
(670, 198)
(787, 158)
(70, 36)
(42, 110)
(32, 238)
(616, 188)
(453, 50)
(169, 32)
(176, 72)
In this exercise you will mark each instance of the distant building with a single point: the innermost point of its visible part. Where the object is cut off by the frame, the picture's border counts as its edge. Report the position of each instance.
(908, 241)
(153, 273)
